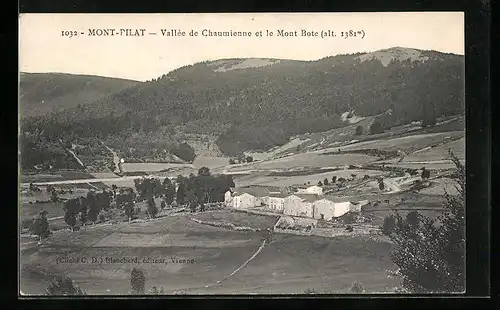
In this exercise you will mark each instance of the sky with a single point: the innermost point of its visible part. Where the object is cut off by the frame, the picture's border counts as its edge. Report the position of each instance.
(44, 48)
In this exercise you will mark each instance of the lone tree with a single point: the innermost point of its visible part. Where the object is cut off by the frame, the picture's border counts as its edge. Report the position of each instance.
(137, 281)
(425, 173)
(114, 188)
(40, 226)
(357, 288)
(50, 189)
(129, 210)
(152, 209)
(169, 191)
(204, 171)
(53, 196)
(325, 181)
(334, 179)
(413, 219)
(63, 287)
(359, 131)
(181, 190)
(431, 255)
(389, 225)
(93, 206)
(381, 185)
(83, 215)
(376, 127)
(72, 208)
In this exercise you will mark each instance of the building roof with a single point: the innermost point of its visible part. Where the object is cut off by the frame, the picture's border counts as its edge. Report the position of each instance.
(304, 187)
(259, 191)
(306, 197)
(278, 195)
(335, 198)
(314, 186)
(235, 194)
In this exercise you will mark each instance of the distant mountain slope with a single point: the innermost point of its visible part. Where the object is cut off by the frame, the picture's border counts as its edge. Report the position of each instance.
(258, 104)
(42, 93)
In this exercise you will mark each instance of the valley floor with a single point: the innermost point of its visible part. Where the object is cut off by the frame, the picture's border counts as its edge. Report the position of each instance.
(287, 265)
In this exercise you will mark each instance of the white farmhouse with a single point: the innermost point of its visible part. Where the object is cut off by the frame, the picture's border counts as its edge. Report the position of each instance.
(276, 202)
(324, 209)
(244, 201)
(327, 209)
(313, 190)
(299, 205)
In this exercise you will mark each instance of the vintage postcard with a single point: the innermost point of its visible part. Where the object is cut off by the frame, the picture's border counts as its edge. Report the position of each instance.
(263, 153)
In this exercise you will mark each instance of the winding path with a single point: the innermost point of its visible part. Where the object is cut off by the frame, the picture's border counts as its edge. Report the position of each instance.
(116, 158)
(242, 266)
(76, 157)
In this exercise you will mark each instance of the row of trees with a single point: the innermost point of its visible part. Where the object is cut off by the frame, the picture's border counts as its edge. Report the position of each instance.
(240, 159)
(334, 180)
(202, 188)
(194, 190)
(86, 208)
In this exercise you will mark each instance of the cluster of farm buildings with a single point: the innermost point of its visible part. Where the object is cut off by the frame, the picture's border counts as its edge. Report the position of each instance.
(305, 202)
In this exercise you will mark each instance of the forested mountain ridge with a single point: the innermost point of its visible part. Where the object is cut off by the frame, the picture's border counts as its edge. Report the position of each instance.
(44, 93)
(256, 104)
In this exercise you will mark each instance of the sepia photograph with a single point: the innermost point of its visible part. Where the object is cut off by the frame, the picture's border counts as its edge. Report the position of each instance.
(241, 154)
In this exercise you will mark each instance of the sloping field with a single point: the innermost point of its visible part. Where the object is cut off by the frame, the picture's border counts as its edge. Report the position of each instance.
(238, 219)
(104, 175)
(440, 186)
(313, 179)
(439, 152)
(410, 143)
(287, 265)
(291, 146)
(34, 178)
(442, 164)
(296, 263)
(429, 205)
(28, 211)
(215, 252)
(63, 175)
(210, 161)
(310, 160)
(121, 182)
(150, 167)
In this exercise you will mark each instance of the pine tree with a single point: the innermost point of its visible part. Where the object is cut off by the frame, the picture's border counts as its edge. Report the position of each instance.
(431, 257)
(137, 281)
